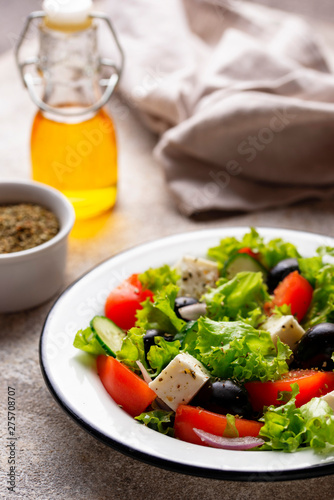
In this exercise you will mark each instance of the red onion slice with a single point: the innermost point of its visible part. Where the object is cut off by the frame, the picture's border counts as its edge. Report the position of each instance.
(144, 372)
(193, 311)
(239, 443)
(158, 404)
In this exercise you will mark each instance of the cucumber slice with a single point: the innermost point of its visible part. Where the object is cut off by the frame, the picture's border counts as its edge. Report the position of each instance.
(108, 334)
(243, 262)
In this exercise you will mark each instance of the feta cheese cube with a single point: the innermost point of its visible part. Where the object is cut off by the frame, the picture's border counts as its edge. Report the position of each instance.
(196, 275)
(180, 381)
(286, 328)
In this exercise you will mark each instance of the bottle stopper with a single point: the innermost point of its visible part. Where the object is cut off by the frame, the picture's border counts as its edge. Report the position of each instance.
(67, 12)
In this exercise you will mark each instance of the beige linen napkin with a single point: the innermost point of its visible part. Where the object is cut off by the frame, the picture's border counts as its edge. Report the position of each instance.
(240, 96)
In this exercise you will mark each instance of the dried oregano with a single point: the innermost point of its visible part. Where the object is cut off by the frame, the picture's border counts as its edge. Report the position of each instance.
(24, 226)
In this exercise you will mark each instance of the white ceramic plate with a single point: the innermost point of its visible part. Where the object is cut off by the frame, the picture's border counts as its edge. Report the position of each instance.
(71, 375)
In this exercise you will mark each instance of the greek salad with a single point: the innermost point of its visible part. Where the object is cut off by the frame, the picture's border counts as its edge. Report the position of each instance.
(234, 350)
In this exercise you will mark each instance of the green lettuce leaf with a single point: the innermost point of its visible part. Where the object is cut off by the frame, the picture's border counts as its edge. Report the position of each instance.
(271, 253)
(86, 341)
(230, 245)
(310, 268)
(155, 279)
(325, 250)
(160, 313)
(288, 428)
(162, 353)
(188, 336)
(283, 427)
(237, 350)
(319, 423)
(321, 309)
(283, 310)
(158, 420)
(231, 430)
(133, 349)
(240, 298)
(276, 250)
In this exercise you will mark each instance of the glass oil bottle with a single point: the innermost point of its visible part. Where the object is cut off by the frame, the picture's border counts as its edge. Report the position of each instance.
(73, 142)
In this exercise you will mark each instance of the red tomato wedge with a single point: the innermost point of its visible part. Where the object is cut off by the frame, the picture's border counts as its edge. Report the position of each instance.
(189, 417)
(123, 302)
(250, 252)
(125, 387)
(295, 291)
(312, 383)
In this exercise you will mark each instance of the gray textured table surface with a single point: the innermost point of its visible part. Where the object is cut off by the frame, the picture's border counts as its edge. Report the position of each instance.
(57, 459)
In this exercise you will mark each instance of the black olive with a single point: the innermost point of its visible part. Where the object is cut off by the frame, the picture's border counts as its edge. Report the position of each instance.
(150, 336)
(315, 348)
(280, 271)
(224, 397)
(182, 302)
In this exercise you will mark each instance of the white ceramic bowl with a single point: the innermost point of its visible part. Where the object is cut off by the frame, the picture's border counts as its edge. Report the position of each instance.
(33, 276)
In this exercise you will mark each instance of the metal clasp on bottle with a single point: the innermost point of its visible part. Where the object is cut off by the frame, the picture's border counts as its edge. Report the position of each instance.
(30, 81)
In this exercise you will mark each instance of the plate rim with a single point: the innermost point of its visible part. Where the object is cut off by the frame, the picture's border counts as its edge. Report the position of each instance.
(317, 470)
